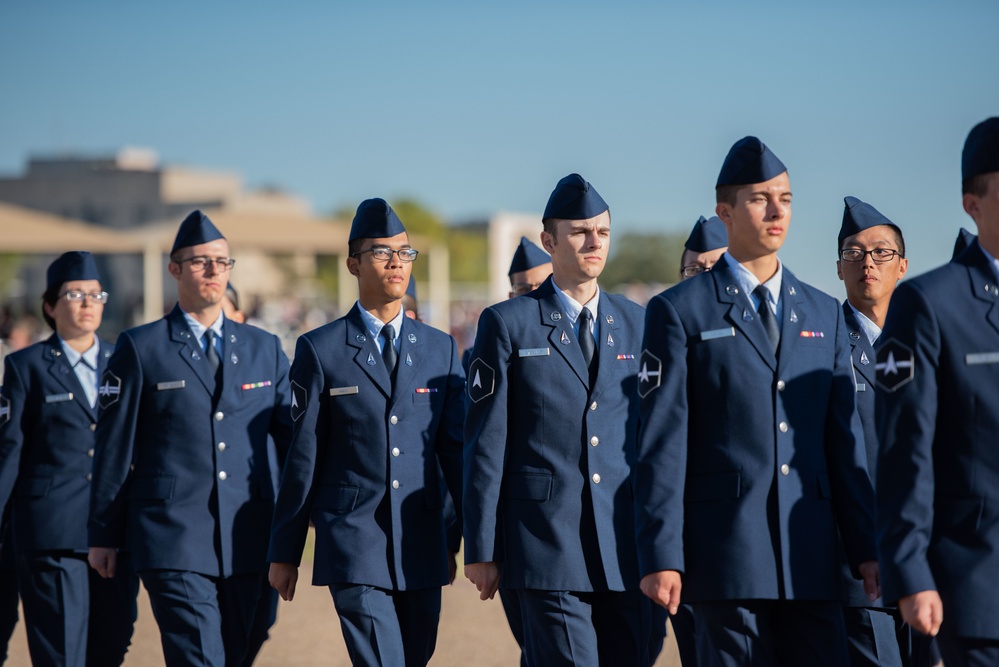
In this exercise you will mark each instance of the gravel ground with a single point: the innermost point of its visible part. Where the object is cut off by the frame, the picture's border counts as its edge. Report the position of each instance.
(307, 633)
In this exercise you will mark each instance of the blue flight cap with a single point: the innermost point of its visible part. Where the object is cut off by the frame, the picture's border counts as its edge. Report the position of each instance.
(74, 265)
(527, 256)
(411, 288)
(375, 219)
(574, 199)
(981, 149)
(858, 216)
(196, 229)
(707, 235)
(749, 161)
(964, 239)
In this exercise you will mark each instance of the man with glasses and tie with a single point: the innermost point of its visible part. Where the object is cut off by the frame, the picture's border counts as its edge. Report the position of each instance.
(377, 406)
(549, 443)
(181, 473)
(48, 411)
(751, 460)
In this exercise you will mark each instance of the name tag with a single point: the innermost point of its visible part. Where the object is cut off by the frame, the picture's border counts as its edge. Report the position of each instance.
(534, 352)
(176, 384)
(981, 358)
(59, 398)
(861, 387)
(342, 391)
(717, 333)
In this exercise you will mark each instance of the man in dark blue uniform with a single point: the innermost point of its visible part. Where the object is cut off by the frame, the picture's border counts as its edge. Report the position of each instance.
(750, 452)
(938, 416)
(707, 242)
(181, 474)
(549, 442)
(378, 408)
(49, 412)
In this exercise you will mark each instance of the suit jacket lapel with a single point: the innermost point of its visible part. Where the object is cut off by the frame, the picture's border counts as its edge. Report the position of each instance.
(560, 336)
(608, 344)
(229, 358)
(64, 374)
(983, 283)
(741, 314)
(189, 349)
(794, 316)
(410, 358)
(860, 347)
(367, 351)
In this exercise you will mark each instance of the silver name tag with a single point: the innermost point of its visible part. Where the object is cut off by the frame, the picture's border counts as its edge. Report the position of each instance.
(861, 387)
(981, 358)
(717, 333)
(176, 384)
(534, 352)
(59, 398)
(343, 391)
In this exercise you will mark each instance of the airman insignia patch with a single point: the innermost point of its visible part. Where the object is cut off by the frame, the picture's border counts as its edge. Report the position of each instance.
(650, 370)
(481, 380)
(4, 409)
(299, 400)
(895, 365)
(109, 391)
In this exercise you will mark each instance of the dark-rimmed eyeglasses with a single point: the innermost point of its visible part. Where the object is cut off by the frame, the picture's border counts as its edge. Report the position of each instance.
(384, 253)
(222, 264)
(879, 255)
(692, 270)
(94, 297)
(520, 289)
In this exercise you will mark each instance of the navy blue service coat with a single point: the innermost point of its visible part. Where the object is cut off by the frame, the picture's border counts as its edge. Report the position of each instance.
(366, 461)
(200, 497)
(938, 419)
(548, 457)
(748, 462)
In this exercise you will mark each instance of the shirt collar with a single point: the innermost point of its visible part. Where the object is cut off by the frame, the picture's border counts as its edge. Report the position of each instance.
(992, 260)
(73, 357)
(375, 325)
(870, 329)
(748, 282)
(573, 308)
(199, 329)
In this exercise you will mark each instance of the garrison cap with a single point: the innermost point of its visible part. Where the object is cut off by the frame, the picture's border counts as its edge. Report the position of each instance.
(574, 199)
(375, 219)
(964, 239)
(749, 161)
(981, 149)
(196, 229)
(527, 256)
(74, 265)
(707, 235)
(858, 216)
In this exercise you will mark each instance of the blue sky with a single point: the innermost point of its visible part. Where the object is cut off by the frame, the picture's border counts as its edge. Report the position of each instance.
(477, 107)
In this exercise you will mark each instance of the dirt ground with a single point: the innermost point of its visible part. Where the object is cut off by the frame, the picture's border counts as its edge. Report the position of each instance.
(307, 633)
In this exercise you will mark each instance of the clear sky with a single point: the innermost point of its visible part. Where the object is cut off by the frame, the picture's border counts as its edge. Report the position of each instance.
(476, 107)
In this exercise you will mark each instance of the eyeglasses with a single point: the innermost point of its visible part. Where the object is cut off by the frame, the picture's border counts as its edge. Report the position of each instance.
(879, 255)
(694, 269)
(222, 264)
(384, 253)
(95, 297)
(523, 288)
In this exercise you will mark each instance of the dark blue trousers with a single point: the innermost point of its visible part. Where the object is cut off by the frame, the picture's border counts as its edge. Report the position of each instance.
(684, 631)
(765, 633)
(388, 628)
(8, 599)
(569, 628)
(203, 621)
(968, 652)
(511, 607)
(72, 616)
(871, 638)
(263, 621)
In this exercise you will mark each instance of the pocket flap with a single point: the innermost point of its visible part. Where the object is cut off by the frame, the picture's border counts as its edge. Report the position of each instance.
(528, 486)
(153, 488)
(33, 487)
(337, 499)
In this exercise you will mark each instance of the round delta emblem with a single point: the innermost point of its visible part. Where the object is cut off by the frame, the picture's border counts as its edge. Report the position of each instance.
(481, 380)
(896, 365)
(650, 370)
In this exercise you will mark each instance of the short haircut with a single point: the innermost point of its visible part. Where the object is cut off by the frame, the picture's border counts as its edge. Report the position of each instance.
(354, 246)
(726, 194)
(51, 297)
(976, 185)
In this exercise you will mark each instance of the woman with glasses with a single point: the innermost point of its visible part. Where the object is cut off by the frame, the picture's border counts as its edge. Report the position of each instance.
(48, 415)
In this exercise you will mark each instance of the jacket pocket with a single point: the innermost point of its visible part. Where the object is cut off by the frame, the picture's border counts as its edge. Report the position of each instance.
(337, 499)
(528, 486)
(33, 487)
(152, 488)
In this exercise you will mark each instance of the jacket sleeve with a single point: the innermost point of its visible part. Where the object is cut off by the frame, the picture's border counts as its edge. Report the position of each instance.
(449, 447)
(13, 396)
(281, 422)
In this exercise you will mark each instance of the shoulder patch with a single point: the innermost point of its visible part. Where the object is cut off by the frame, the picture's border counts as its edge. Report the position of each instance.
(299, 400)
(481, 380)
(650, 370)
(4, 409)
(896, 365)
(109, 391)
